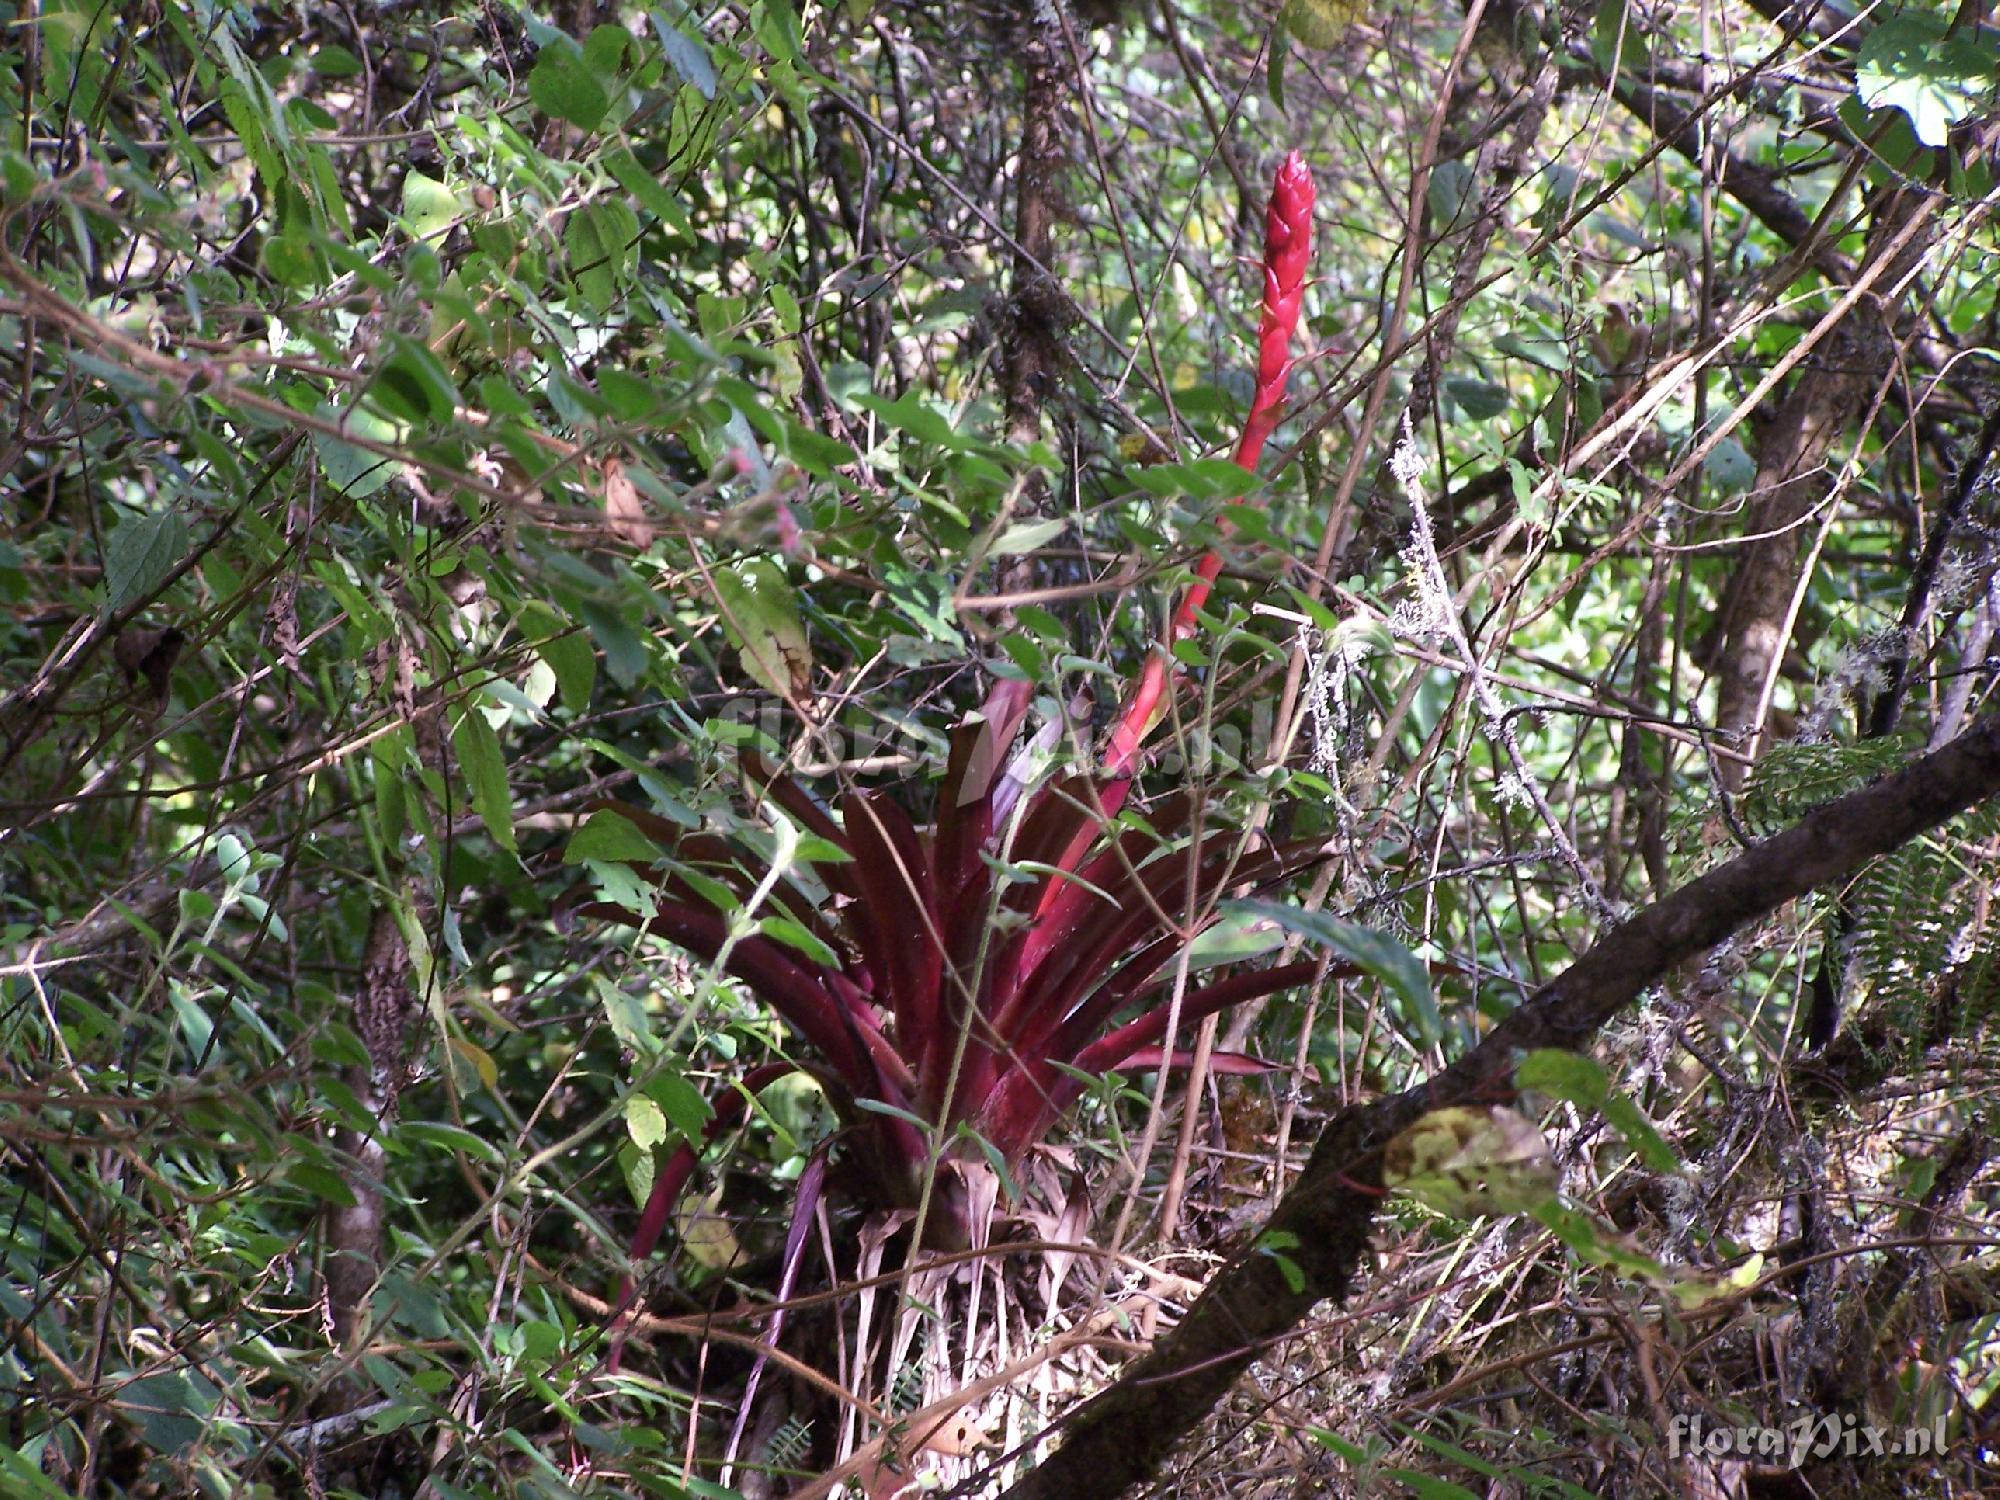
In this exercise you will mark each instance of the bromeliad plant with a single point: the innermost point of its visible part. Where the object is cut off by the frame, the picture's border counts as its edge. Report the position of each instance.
(970, 976)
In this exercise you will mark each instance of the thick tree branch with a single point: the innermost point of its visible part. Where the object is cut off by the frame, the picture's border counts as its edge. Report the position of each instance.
(1122, 1436)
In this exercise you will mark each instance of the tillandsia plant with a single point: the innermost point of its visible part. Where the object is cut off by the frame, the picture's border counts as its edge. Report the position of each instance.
(970, 976)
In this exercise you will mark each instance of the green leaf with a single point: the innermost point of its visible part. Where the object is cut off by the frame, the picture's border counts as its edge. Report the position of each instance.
(1598, 1244)
(1429, 1487)
(25, 1478)
(290, 258)
(331, 61)
(793, 935)
(322, 1182)
(356, 472)
(605, 51)
(429, 207)
(1201, 479)
(1476, 398)
(646, 190)
(1581, 1081)
(569, 656)
(610, 838)
(1026, 536)
(786, 306)
(1452, 194)
(1569, 1076)
(598, 241)
(173, 1409)
(234, 858)
(630, 398)
(682, 1102)
(445, 1137)
(413, 384)
(1234, 938)
(1640, 1133)
(627, 652)
(877, 1107)
(1729, 467)
(776, 24)
(1615, 40)
(1399, 970)
(1537, 349)
(1915, 62)
(1274, 1243)
(140, 554)
(627, 1014)
(686, 55)
(911, 413)
(760, 613)
(1333, 1442)
(484, 767)
(561, 85)
(195, 1025)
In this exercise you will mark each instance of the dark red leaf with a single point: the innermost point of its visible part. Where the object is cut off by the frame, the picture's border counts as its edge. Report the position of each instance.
(894, 878)
(1027, 1101)
(765, 780)
(1077, 969)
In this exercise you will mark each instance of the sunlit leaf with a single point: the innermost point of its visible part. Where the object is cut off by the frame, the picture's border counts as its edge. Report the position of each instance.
(1935, 72)
(761, 615)
(1465, 1162)
(1322, 23)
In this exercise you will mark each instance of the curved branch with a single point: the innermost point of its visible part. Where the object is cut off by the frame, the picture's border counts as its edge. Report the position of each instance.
(1122, 1436)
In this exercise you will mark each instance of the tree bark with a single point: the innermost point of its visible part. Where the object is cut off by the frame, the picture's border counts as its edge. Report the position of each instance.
(1793, 480)
(1122, 1436)
(1033, 353)
(382, 1009)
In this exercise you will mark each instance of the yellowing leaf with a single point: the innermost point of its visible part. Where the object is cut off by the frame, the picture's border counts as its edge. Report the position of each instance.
(1465, 1162)
(1143, 448)
(706, 1235)
(1322, 23)
(471, 1055)
(761, 614)
(645, 1122)
(1692, 1289)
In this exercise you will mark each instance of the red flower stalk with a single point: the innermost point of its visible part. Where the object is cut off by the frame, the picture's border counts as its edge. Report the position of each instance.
(1288, 240)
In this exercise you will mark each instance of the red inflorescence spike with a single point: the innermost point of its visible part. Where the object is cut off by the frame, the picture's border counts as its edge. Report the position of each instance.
(1288, 239)
(1288, 242)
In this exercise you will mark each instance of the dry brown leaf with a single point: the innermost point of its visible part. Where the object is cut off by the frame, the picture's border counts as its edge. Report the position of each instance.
(623, 509)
